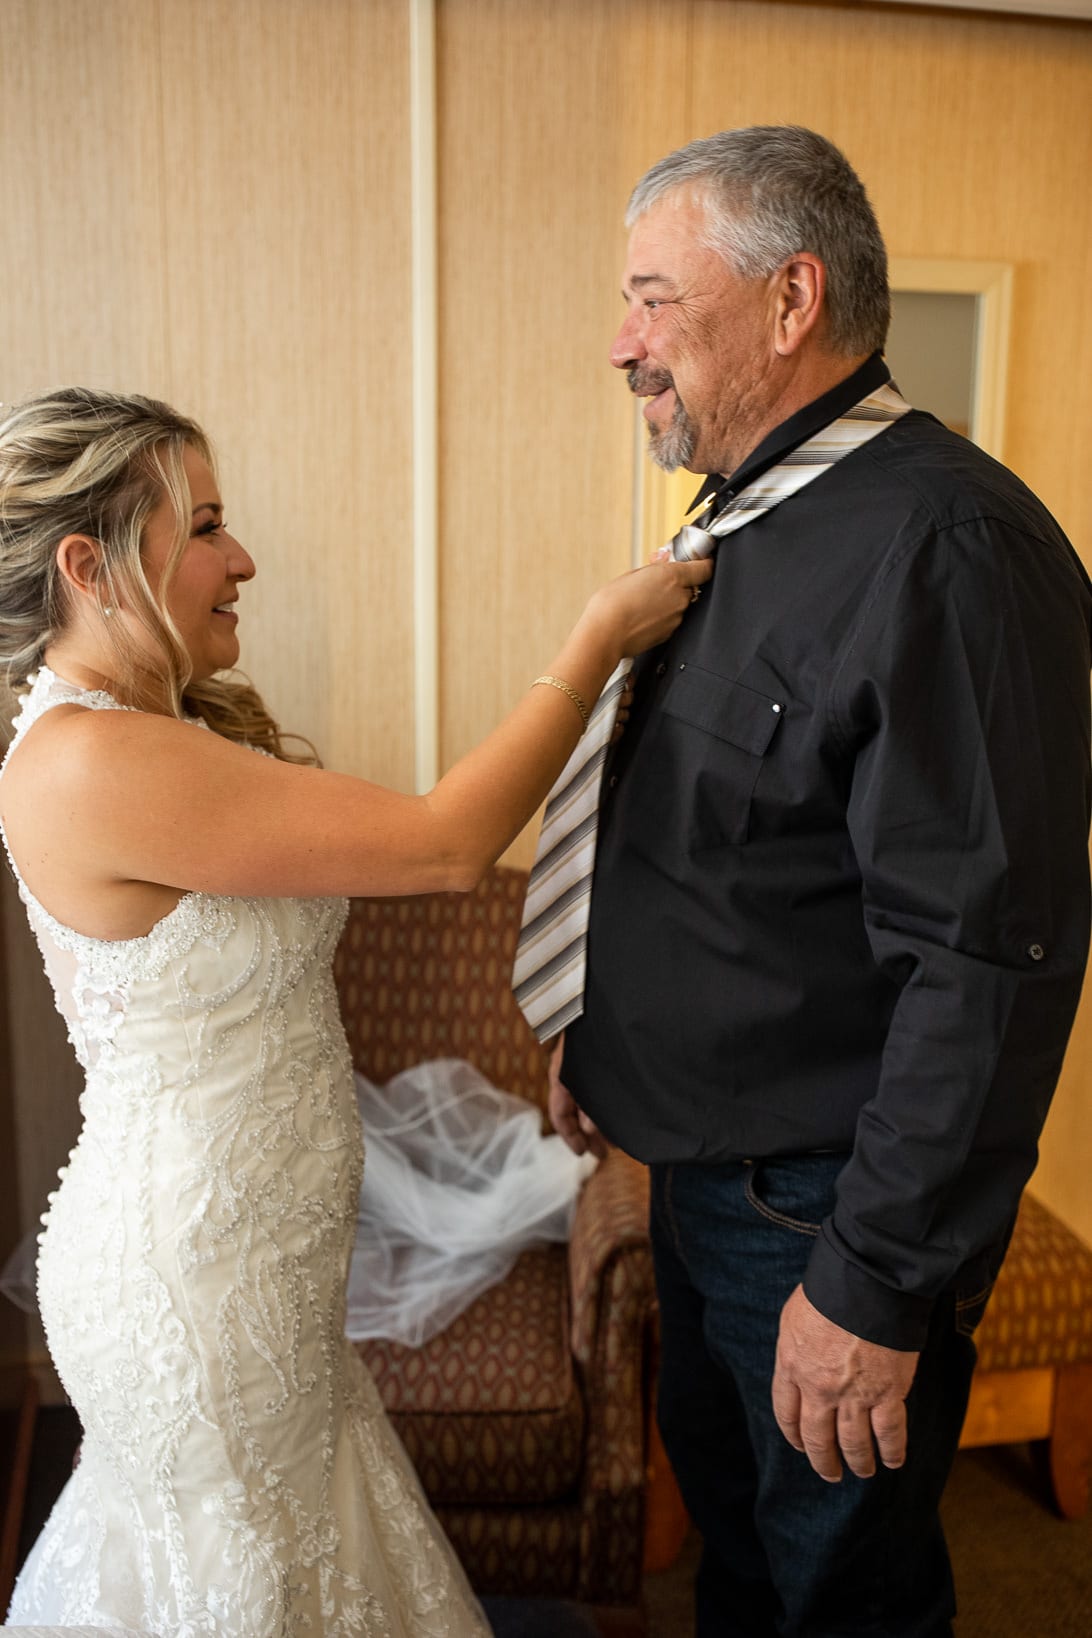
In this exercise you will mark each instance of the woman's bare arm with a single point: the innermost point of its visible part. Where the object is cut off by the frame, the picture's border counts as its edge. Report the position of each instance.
(94, 800)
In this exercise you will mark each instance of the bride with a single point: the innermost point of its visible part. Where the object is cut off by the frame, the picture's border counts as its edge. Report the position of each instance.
(182, 869)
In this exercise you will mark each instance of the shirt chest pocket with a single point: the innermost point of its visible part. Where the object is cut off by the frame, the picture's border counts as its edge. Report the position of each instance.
(718, 733)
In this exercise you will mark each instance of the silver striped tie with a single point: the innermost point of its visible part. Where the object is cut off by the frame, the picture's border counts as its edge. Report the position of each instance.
(548, 977)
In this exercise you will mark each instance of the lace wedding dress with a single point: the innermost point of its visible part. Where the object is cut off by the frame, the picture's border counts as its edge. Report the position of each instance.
(238, 1477)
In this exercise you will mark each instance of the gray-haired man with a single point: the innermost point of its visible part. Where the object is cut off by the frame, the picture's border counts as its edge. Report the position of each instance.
(841, 907)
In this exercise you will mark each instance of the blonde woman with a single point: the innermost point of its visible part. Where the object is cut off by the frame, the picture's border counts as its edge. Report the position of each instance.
(238, 1476)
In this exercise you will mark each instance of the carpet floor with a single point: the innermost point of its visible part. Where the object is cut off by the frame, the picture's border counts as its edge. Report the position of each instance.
(1020, 1571)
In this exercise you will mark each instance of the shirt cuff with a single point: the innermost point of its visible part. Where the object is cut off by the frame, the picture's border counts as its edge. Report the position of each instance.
(863, 1305)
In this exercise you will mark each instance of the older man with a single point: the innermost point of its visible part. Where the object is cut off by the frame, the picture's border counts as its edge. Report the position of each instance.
(841, 907)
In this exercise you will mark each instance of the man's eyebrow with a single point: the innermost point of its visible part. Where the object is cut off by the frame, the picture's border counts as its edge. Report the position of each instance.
(638, 281)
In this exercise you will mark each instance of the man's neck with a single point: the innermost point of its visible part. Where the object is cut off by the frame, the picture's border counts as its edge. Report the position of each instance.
(795, 428)
(813, 375)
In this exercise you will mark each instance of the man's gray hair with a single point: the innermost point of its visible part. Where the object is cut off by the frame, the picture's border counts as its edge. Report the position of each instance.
(771, 191)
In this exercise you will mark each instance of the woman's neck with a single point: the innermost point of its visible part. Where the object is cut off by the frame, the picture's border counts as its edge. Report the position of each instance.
(93, 671)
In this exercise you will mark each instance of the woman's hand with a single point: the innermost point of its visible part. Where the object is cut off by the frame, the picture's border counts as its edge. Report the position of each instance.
(642, 608)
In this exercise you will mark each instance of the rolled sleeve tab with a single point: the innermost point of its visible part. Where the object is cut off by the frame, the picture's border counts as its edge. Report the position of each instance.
(848, 1295)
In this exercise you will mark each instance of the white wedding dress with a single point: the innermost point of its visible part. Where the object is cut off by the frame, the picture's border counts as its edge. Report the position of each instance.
(238, 1477)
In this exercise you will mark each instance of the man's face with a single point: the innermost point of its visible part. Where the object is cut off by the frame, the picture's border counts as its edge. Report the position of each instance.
(697, 341)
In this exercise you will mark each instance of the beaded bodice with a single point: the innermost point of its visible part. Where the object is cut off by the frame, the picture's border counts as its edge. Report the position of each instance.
(100, 984)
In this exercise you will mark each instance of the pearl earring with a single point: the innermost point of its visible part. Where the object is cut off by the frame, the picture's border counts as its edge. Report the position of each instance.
(108, 611)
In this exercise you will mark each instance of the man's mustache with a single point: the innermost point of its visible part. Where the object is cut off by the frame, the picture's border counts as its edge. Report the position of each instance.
(646, 380)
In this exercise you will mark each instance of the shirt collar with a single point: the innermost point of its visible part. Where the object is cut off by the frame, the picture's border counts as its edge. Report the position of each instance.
(871, 375)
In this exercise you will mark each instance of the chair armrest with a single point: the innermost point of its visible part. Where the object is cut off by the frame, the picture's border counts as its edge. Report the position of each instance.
(611, 1219)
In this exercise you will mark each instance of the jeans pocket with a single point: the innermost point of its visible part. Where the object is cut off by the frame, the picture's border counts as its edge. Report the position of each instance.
(796, 1191)
(970, 1306)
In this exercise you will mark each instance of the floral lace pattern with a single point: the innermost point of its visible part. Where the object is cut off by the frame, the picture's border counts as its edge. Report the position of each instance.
(238, 1476)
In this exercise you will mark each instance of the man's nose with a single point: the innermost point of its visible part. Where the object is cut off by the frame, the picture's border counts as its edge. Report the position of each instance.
(627, 347)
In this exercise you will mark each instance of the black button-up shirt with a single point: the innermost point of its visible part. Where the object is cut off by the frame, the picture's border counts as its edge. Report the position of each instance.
(841, 898)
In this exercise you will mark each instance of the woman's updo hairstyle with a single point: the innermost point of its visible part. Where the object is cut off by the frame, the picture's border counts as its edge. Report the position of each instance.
(88, 462)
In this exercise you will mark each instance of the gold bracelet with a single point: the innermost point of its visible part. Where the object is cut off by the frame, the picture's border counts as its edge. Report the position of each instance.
(566, 688)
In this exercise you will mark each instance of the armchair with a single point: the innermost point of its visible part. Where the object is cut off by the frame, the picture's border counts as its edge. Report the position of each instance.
(1033, 1380)
(526, 1417)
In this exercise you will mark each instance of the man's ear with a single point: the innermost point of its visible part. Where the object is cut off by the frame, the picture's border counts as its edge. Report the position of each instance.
(79, 560)
(800, 291)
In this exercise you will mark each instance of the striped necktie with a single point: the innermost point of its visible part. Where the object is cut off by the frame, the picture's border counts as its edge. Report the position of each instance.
(551, 957)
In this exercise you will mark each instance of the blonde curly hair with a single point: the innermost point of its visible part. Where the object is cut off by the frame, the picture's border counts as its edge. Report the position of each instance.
(83, 461)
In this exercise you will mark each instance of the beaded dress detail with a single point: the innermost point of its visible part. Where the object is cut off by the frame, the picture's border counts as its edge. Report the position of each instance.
(238, 1477)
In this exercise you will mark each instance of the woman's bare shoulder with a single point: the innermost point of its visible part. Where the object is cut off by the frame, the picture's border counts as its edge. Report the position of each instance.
(76, 765)
(71, 745)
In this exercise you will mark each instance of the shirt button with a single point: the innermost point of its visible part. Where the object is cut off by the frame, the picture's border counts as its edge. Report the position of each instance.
(776, 709)
(613, 781)
(661, 668)
(1036, 952)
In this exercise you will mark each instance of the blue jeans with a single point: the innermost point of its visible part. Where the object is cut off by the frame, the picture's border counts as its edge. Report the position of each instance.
(784, 1552)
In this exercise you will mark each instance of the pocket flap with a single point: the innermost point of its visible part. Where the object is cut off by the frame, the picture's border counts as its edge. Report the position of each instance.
(726, 709)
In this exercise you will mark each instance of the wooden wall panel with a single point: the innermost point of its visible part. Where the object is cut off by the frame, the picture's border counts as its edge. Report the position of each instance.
(1061, 1178)
(80, 273)
(973, 135)
(547, 114)
(286, 302)
(208, 200)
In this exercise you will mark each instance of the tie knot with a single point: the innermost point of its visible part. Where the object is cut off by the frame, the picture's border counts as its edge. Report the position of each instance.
(692, 543)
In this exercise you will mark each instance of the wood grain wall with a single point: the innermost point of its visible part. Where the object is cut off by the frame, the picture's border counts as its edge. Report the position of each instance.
(205, 200)
(209, 200)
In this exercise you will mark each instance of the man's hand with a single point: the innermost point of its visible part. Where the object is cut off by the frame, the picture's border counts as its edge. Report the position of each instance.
(832, 1392)
(581, 1134)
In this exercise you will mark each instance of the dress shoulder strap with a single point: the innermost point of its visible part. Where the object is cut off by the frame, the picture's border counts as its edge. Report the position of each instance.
(45, 690)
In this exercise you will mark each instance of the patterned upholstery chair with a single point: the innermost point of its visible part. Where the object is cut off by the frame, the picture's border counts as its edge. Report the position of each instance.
(1033, 1380)
(525, 1418)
